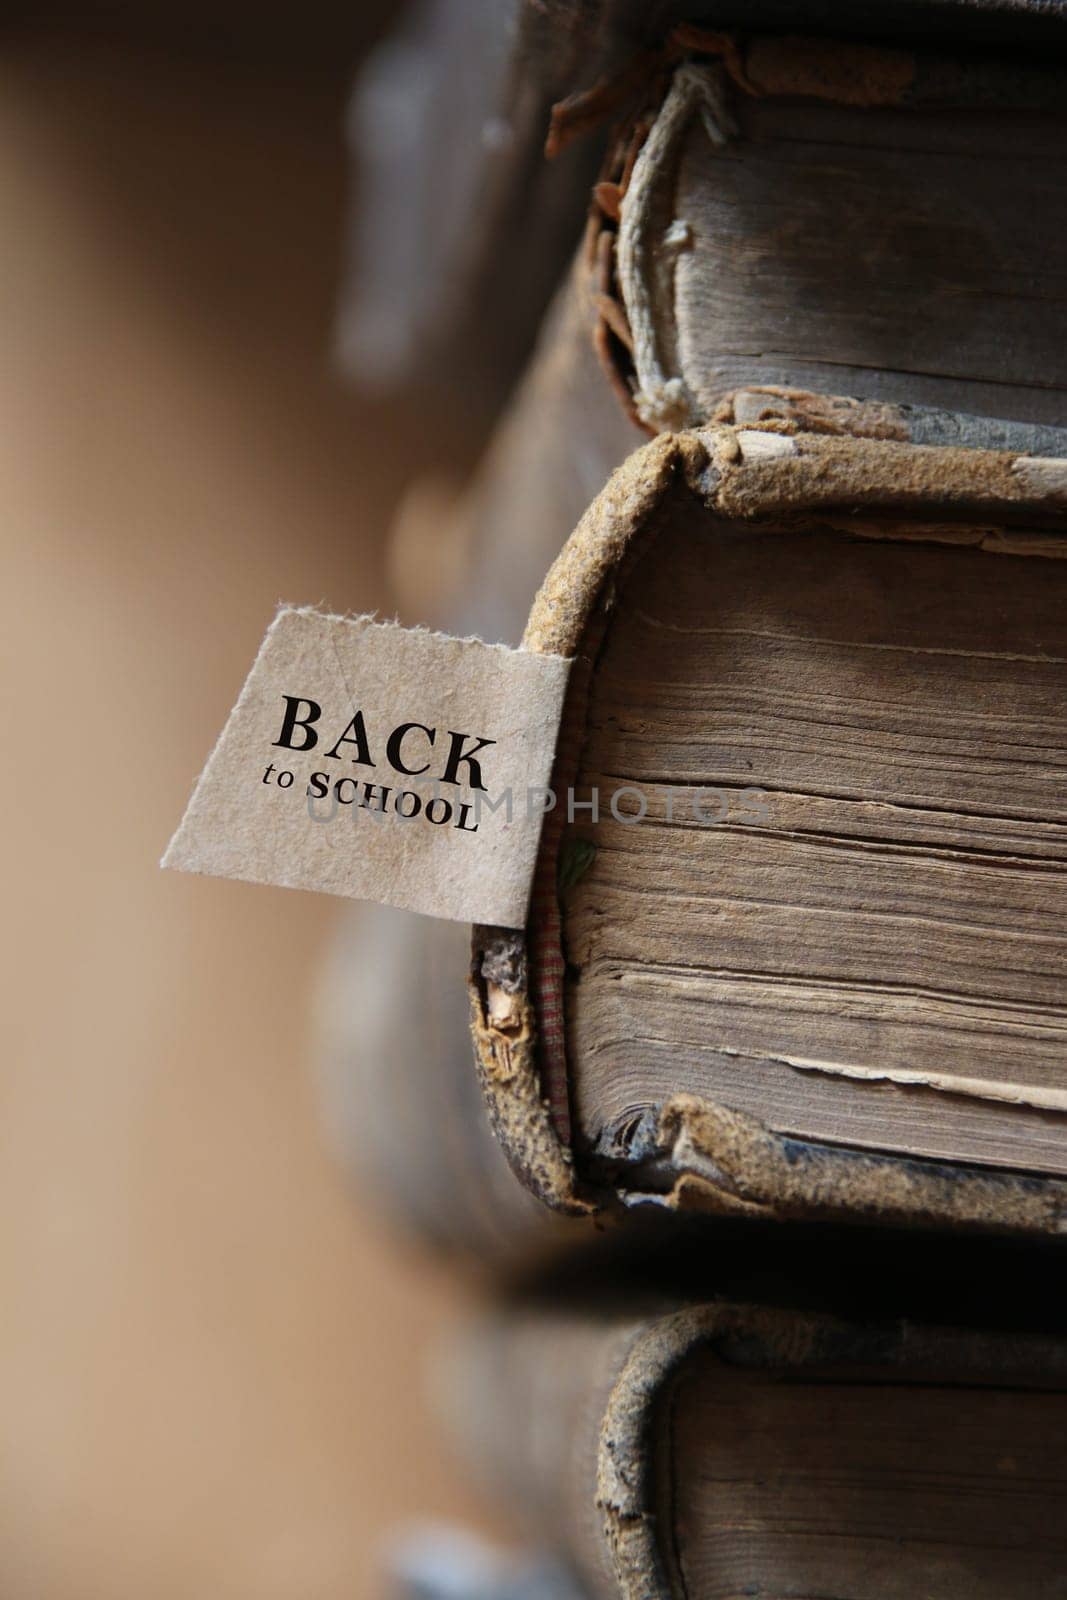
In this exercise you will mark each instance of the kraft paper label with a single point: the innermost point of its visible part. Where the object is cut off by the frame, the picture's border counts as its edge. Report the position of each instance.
(382, 763)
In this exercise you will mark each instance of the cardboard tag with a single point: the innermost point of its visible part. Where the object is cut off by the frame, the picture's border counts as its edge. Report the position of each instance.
(382, 763)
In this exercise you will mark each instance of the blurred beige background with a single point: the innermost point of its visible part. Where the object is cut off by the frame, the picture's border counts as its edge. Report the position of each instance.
(210, 1352)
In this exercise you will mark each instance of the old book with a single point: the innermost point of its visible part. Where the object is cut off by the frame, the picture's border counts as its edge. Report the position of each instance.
(443, 295)
(402, 1108)
(728, 1447)
(401, 1101)
(797, 937)
(821, 613)
(461, 230)
(798, 940)
(868, 239)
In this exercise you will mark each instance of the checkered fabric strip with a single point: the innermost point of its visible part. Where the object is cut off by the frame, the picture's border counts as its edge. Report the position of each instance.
(545, 927)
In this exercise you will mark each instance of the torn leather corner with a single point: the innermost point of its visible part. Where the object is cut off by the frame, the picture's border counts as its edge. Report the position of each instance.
(724, 1160)
(504, 1030)
(803, 411)
(760, 472)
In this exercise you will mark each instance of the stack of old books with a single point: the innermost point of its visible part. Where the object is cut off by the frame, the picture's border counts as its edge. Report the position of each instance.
(763, 1132)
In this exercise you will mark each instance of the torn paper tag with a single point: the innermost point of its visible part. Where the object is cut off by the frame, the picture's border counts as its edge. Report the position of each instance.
(373, 761)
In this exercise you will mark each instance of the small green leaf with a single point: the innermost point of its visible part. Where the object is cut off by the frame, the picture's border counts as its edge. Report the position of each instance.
(575, 859)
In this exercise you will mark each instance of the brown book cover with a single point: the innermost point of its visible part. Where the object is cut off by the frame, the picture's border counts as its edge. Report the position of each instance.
(675, 1443)
(833, 603)
(808, 954)
(444, 288)
(867, 239)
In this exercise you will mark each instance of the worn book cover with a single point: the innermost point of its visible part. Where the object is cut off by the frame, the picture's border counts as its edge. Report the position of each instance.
(796, 944)
(759, 1440)
(797, 941)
